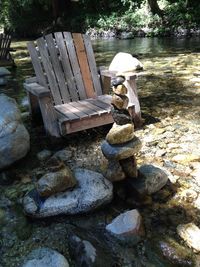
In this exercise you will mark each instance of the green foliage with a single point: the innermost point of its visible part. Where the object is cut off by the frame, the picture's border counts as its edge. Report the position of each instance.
(33, 17)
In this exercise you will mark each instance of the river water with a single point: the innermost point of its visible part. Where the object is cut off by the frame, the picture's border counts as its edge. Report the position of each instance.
(169, 93)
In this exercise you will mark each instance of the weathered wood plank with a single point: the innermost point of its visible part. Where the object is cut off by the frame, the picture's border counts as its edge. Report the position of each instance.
(92, 64)
(87, 123)
(67, 112)
(83, 63)
(57, 68)
(49, 116)
(75, 65)
(97, 109)
(66, 66)
(83, 108)
(49, 71)
(37, 64)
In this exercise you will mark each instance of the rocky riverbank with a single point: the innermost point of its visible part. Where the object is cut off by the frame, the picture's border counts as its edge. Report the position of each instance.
(169, 92)
(179, 32)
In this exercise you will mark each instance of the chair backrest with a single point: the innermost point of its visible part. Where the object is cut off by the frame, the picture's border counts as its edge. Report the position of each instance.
(5, 41)
(65, 63)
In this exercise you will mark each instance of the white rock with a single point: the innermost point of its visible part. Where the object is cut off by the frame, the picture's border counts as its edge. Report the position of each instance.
(190, 234)
(125, 62)
(127, 227)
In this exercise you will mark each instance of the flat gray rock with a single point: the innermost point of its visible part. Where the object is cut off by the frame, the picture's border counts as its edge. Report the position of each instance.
(121, 151)
(14, 138)
(92, 191)
(45, 257)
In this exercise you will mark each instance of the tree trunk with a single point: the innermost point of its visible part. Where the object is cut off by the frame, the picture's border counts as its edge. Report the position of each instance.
(154, 7)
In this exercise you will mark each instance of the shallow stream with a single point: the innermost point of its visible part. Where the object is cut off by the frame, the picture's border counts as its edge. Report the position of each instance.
(169, 93)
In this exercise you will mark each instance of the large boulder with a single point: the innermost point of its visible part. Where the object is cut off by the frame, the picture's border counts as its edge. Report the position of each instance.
(92, 191)
(14, 138)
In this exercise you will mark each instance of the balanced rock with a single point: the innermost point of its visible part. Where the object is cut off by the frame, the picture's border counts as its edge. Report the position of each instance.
(120, 90)
(127, 227)
(121, 151)
(115, 81)
(14, 138)
(151, 179)
(45, 257)
(120, 134)
(121, 116)
(54, 182)
(92, 191)
(190, 233)
(129, 167)
(114, 171)
(120, 101)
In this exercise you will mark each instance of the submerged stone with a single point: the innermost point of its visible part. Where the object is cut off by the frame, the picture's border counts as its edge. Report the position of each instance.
(121, 151)
(127, 227)
(92, 191)
(190, 234)
(151, 179)
(167, 252)
(45, 257)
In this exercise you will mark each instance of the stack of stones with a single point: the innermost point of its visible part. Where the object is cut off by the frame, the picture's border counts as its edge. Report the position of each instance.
(121, 144)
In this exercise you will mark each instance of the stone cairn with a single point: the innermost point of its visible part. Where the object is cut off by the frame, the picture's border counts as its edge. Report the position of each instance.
(121, 144)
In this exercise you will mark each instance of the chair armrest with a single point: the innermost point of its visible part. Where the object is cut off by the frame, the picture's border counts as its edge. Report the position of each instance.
(36, 89)
(31, 80)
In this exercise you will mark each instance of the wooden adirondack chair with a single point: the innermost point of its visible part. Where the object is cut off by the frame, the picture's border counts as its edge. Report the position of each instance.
(67, 88)
(5, 56)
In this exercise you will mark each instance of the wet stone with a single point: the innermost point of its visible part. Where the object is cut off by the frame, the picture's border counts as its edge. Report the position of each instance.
(54, 182)
(190, 233)
(121, 117)
(120, 101)
(114, 171)
(127, 227)
(120, 90)
(45, 257)
(44, 154)
(150, 179)
(169, 253)
(129, 166)
(121, 151)
(120, 134)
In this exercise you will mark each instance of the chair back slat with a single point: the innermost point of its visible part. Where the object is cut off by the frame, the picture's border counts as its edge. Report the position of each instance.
(92, 64)
(48, 67)
(75, 65)
(65, 63)
(61, 44)
(57, 68)
(83, 63)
